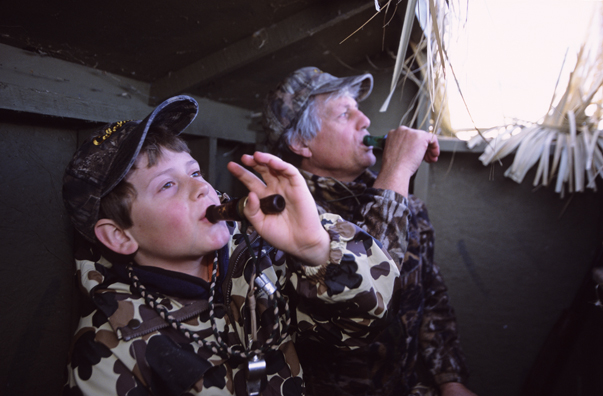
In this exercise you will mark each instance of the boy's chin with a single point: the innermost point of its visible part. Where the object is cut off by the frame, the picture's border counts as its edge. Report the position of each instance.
(220, 234)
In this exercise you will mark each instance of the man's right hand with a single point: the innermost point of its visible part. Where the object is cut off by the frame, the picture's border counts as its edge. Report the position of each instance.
(405, 149)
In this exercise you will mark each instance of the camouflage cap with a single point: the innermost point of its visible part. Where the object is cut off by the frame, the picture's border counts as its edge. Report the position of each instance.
(104, 159)
(284, 105)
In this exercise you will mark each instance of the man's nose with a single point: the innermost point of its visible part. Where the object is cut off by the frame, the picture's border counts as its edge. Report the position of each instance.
(363, 121)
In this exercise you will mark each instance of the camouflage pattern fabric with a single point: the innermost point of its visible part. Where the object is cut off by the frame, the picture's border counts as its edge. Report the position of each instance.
(419, 347)
(122, 346)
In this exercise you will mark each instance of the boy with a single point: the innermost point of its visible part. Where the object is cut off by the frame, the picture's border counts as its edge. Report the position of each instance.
(179, 305)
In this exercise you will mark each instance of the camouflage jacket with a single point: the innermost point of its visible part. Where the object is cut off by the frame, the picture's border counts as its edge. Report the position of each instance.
(420, 347)
(123, 346)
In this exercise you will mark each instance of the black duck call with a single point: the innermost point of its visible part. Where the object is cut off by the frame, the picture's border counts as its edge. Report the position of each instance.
(233, 210)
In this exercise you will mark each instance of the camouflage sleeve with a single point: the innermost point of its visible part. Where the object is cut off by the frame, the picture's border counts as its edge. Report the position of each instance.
(346, 295)
(383, 214)
(440, 345)
(385, 217)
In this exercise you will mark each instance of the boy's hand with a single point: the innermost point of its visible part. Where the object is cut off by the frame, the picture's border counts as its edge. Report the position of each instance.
(296, 230)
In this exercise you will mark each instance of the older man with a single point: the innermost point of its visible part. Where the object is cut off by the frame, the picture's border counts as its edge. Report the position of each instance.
(312, 120)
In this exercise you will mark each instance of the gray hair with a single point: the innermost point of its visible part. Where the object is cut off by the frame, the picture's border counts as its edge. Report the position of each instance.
(309, 122)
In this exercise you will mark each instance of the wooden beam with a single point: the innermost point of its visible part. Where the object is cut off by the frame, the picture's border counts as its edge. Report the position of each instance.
(43, 85)
(205, 150)
(222, 121)
(39, 84)
(212, 153)
(421, 182)
(452, 144)
(263, 42)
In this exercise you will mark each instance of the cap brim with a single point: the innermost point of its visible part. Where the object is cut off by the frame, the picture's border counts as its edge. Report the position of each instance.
(365, 81)
(175, 114)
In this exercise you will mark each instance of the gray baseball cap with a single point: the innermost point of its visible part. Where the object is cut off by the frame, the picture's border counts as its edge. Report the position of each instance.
(287, 102)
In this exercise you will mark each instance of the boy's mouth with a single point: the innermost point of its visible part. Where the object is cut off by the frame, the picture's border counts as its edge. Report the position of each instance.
(204, 214)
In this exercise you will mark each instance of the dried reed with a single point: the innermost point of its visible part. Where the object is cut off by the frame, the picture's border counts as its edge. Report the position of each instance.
(430, 55)
(566, 143)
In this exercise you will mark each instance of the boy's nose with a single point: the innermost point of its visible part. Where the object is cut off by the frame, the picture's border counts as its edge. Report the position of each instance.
(199, 189)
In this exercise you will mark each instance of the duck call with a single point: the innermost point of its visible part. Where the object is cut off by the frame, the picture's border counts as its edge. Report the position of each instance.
(233, 209)
(377, 142)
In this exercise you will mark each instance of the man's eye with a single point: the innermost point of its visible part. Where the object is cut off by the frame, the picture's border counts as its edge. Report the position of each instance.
(196, 174)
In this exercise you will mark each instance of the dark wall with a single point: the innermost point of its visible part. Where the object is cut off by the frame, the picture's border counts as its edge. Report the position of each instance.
(226, 151)
(37, 296)
(513, 258)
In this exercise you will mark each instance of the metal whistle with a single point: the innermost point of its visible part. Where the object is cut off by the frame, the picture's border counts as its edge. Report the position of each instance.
(256, 370)
(377, 142)
(233, 210)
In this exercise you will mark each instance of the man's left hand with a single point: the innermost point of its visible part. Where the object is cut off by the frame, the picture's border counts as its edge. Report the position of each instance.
(455, 389)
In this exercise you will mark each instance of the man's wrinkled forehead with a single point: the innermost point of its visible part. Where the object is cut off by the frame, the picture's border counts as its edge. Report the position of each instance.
(334, 100)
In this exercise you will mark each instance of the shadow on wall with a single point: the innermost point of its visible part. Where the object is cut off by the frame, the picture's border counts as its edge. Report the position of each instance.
(571, 359)
(38, 299)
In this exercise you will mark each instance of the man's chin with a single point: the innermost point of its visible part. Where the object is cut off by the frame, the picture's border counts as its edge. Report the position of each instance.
(371, 160)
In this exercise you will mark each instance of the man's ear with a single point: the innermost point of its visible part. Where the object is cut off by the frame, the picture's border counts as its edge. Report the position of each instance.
(300, 148)
(114, 237)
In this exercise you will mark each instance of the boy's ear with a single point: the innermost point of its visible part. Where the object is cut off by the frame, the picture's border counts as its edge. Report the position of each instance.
(114, 237)
(300, 148)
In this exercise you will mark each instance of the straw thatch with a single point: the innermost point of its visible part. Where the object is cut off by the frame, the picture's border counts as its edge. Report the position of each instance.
(567, 142)
(433, 64)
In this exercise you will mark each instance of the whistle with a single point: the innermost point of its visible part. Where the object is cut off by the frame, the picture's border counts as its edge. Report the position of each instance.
(377, 142)
(233, 210)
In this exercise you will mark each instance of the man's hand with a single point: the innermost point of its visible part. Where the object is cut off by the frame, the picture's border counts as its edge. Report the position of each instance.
(297, 230)
(455, 389)
(405, 149)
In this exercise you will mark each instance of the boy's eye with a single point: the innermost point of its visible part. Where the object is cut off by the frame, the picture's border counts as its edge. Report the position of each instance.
(196, 174)
(167, 185)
